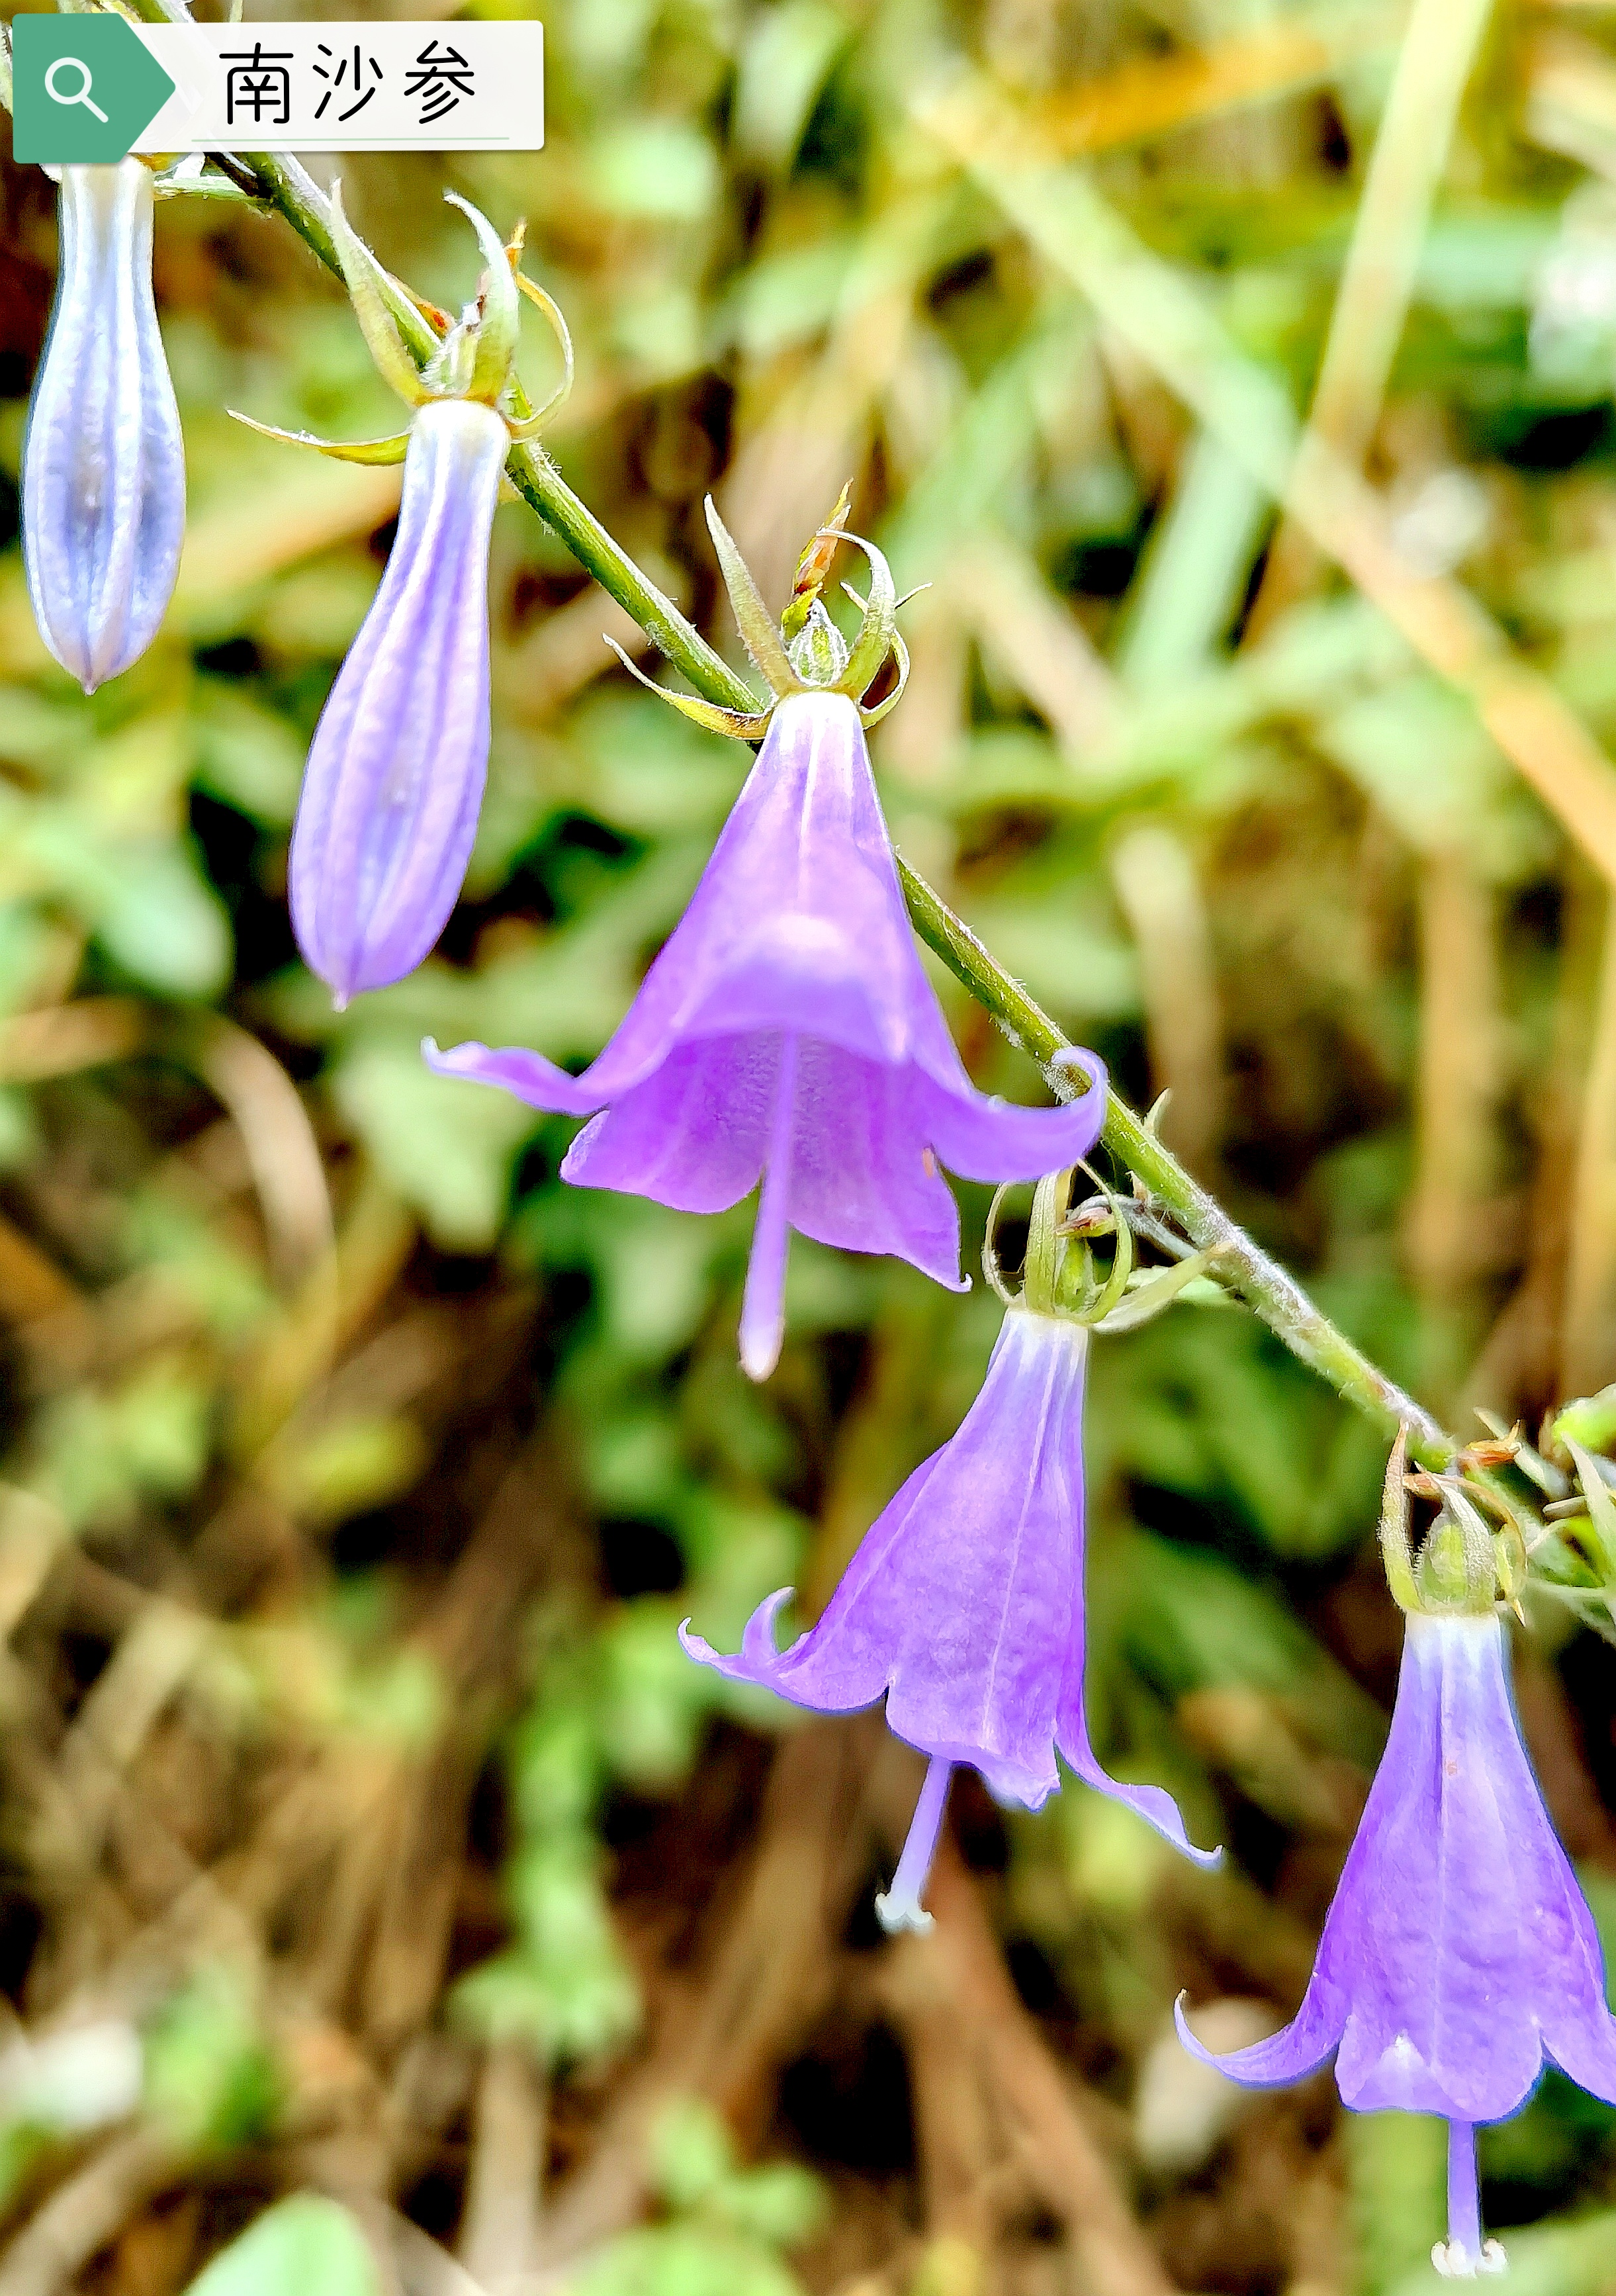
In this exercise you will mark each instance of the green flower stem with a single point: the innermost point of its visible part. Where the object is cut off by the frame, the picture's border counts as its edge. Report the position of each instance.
(1273, 1294)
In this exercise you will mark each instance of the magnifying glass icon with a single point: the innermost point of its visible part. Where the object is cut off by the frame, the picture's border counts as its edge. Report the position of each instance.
(83, 95)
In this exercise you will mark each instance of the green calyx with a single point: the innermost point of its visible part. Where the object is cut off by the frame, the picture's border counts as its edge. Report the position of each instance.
(475, 357)
(804, 652)
(1059, 1276)
(1463, 1566)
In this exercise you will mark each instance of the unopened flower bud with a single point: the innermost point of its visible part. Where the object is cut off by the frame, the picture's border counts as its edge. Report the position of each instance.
(389, 811)
(104, 465)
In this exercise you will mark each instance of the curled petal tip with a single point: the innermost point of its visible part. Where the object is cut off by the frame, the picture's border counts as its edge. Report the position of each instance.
(759, 1646)
(1086, 1064)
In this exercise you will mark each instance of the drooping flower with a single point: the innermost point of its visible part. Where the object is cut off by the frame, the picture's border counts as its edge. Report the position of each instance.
(1459, 1957)
(103, 462)
(394, 783)
(787, 1032)
(963, 1605)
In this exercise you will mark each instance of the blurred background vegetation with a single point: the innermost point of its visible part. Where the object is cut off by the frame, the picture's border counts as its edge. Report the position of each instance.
(385, 1903)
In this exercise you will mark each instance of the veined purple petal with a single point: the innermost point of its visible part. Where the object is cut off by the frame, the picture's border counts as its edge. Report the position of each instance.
(395, 777)
(787, 1032)
(693, 1135)
(103, 463)
(964, 1603)
(798, 924)
(1459, 1952)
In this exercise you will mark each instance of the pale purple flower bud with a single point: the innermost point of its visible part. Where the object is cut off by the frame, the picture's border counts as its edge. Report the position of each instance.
(787, 1034)
(963, 1607)
(1459, 1957)
(388, 813)
(103, 463)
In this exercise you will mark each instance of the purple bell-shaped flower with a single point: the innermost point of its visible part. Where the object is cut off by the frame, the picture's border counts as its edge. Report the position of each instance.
(394, 782)
(1459, 1957)
(393, 788)
(787, 1033)
(963, 1605)
(103, 462)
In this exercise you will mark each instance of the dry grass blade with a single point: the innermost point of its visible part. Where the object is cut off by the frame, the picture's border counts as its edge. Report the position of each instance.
(1143, 99)
(1067, 220)
(1406, 167)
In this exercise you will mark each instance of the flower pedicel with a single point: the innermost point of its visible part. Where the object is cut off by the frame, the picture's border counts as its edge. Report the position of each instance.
(786, 1031)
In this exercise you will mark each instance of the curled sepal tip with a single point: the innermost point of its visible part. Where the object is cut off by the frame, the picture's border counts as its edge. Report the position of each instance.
(527, 427)
(497, 312)
(103, 462)
(874, 643)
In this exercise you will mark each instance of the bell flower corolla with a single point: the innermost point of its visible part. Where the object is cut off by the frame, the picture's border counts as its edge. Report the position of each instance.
(963, 1605)
(1458, 1956)
(103, 462)
(787, 1034)
(394, 782)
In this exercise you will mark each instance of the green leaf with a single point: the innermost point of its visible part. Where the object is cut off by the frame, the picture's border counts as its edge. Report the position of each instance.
(1397, 2165)
(447, 1146)
(247, 756)
(304, 2246)
(686, 2259)
(789, 50)
(1193, 1623)
(210, 2074)
(660, 171)
(692, 2153)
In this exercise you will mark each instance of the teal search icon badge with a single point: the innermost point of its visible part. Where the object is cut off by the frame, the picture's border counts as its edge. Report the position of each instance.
(83, 88)
(81, 94)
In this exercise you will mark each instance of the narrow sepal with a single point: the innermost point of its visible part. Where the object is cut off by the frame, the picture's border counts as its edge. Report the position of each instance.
(889, 702)
(874, 643)
(391, 450)
(552, 310)
(1155, 1293)
(739, 724)
(499, 318)
(759, 634)
(379, 304)
(1397, 1553)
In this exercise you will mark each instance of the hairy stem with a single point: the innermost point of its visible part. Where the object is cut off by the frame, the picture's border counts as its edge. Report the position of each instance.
(1274, 1294)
